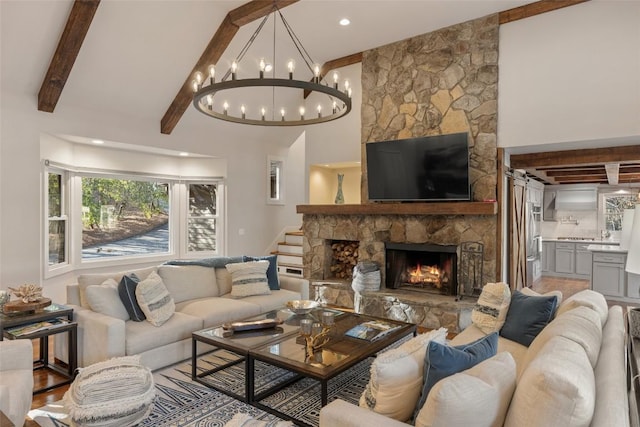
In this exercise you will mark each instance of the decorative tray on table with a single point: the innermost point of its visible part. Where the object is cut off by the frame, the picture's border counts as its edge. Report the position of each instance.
(252, 325)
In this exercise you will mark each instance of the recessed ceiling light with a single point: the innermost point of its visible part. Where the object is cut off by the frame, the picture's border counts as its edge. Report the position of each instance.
(184, 154)
(345, 21)
(97, 141)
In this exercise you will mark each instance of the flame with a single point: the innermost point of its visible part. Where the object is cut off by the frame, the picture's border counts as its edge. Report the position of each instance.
(416, 275)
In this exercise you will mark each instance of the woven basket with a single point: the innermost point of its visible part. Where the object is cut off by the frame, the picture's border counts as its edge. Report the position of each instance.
(634, 322)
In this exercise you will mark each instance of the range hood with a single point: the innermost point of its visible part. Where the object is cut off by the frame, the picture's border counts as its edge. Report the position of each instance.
(576, 199)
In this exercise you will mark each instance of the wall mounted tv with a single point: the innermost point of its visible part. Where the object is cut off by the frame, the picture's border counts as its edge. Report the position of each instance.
(431, 168)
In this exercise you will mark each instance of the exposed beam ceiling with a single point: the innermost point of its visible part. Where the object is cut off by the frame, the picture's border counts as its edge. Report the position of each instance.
(592, 166)
(238, 17)
(75, 30)
(82, 13)
(533, 9)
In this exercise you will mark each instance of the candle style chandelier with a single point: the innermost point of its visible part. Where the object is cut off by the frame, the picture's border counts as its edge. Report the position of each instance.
(278, 105)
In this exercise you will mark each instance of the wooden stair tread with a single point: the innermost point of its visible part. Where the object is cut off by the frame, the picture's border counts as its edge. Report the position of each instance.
(294, 233)
(289, 244)
(284, 253)
(285, 264)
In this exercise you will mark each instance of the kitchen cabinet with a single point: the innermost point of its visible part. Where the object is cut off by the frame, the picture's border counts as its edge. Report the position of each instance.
(584, 259)
(565, 258)
(578, 199)
(608, 276)
(548, 257)
(549, 205)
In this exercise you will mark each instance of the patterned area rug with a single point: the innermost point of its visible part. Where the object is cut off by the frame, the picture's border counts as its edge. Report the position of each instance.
(181, 402)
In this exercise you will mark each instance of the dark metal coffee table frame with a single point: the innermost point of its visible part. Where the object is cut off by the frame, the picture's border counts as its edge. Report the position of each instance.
(237, 347)
(254, 349)
(322, 375)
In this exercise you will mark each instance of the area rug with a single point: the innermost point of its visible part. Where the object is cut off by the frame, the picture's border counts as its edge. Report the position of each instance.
(181, 402)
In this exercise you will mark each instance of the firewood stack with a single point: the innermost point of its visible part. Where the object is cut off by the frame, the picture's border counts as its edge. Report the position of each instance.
(344, 258)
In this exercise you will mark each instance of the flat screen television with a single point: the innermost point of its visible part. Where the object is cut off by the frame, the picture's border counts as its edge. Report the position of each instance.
(431, 168)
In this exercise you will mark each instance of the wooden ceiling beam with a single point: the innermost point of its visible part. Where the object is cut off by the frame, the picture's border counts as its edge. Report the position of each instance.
(257, 9)
(230, 25)
(574, 172)
(336, 63)
(75, 30)
(628, 153)
(533, 9)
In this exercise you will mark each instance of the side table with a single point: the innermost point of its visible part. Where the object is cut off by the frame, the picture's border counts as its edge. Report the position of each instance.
(9, 322)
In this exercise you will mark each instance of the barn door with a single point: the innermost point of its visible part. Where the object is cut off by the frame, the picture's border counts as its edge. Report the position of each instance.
(517, 232)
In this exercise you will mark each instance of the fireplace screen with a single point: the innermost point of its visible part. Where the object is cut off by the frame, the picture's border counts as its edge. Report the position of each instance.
(424, 268)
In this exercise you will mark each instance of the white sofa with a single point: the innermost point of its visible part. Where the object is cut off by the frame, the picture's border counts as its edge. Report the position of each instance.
(16, 379)
(564, 358)
(202, 299)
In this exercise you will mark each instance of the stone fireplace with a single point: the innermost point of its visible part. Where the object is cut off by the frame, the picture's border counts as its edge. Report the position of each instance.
(422, 268)
(438, 83)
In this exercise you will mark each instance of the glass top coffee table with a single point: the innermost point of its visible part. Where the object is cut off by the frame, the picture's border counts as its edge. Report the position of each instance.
(285, 348)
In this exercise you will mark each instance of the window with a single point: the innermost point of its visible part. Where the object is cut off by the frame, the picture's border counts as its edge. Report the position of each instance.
(108, 217)
(123, 217)
(202, 217)
(614, 206)
(57, 251)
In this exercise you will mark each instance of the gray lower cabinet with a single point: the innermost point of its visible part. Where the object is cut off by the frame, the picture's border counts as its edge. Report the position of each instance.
(608, 276)
(565, 258)
(548, 257)
(584, 259)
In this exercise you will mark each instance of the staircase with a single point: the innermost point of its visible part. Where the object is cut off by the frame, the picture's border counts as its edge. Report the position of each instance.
(290, 254)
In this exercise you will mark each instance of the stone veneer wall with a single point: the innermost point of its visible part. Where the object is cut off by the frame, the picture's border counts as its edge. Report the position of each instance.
(438, 83)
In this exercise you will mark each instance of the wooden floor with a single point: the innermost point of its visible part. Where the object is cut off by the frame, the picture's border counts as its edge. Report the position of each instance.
(42, 377)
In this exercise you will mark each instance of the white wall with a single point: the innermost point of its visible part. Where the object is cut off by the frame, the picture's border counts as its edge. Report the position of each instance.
(339, 140)
(21, 127)
(571, 75)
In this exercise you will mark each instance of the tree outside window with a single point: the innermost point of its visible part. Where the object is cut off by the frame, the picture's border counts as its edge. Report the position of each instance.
(615, 204)
(203, 217)
(124, 217)
(57, 220)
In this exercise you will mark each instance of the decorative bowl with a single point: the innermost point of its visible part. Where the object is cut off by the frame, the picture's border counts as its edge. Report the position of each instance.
(302, 306)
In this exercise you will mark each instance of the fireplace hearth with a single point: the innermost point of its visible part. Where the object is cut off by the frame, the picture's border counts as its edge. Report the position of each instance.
(422, 268)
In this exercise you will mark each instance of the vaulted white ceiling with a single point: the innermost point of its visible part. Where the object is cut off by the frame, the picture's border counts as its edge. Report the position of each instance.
(138, 53)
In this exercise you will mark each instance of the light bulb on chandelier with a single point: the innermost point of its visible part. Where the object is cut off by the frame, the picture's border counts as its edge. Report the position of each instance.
(206, 91)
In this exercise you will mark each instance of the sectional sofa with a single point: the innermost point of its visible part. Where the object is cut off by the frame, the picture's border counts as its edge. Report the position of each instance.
(201, 291)
(573, 373)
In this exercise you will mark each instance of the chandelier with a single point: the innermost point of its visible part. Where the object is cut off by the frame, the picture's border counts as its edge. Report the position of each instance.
(281, 99)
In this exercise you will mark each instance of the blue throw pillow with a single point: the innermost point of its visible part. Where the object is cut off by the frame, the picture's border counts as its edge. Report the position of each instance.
(442, 360)
(127, 292)
(272, 271)
(527, 316)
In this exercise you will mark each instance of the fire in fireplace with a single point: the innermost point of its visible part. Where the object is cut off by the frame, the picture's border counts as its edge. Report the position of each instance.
(421, 267)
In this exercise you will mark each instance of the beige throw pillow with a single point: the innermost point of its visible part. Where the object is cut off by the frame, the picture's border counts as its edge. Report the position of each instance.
(479, 396)
(491, 310)
(154, 300)
(105, 299)
(396, 377)
(249, 278)
(556, 389)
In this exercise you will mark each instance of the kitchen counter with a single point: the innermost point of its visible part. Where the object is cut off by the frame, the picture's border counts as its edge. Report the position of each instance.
(579, 240)
(606, 248)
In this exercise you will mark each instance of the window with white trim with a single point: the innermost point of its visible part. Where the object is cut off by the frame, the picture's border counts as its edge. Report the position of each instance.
(614, 206)
(57, 220)
(108, 217)
(202, 221)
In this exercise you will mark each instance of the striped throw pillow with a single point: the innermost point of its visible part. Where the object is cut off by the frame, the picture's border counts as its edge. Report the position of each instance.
(491, 310)
(249, 278)
(155, 300)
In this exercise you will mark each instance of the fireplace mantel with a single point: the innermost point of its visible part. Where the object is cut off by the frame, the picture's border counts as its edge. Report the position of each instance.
(439, 208)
